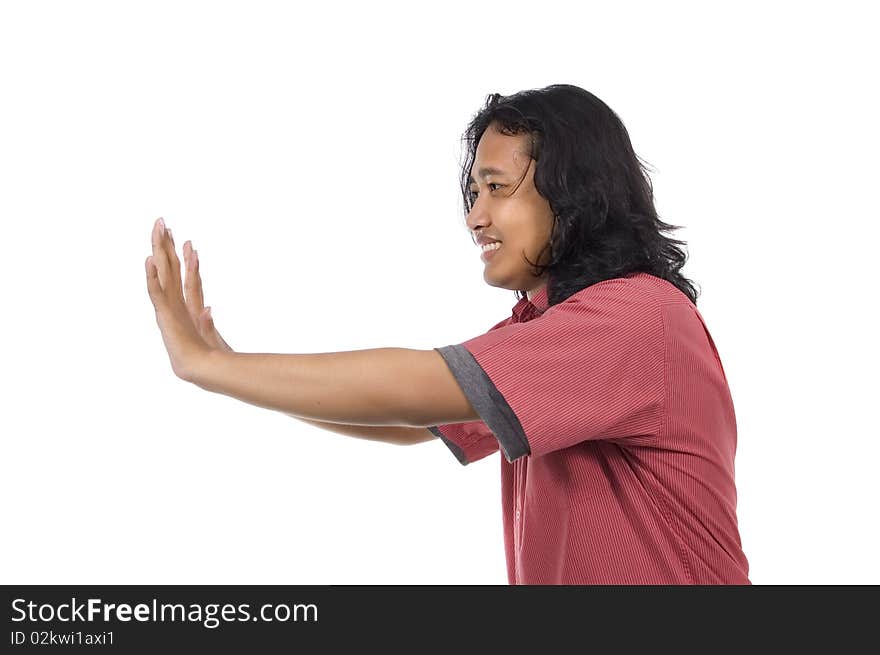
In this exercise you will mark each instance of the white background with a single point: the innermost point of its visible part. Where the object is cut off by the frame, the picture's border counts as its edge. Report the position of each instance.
(313, 159)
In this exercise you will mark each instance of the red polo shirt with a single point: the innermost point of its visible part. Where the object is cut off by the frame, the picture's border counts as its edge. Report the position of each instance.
(618, 432)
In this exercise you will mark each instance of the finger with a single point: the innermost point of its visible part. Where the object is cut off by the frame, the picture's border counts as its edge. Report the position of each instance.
(206, 328)
(174, 282)
(193, 283)
(209, 331)
(154, 286)
(160, 259)
(192, 286)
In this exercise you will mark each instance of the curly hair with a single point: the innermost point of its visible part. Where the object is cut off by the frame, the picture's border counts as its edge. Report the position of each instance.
(600, 193)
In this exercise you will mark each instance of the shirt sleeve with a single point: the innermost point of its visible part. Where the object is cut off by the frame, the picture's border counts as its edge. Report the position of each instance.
(470, 441)
(590, 367)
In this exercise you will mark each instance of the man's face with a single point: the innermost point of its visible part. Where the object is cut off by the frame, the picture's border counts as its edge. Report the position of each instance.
(521, 220)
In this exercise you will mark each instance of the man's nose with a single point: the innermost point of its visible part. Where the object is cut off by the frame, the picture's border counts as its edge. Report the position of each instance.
(477, 219)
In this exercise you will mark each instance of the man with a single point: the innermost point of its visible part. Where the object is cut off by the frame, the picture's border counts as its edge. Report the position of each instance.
(603, 390)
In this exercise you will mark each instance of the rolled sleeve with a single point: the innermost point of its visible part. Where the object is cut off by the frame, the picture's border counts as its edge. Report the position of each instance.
(591, 367)
(499, 419)
(472, 440)
(469, 441)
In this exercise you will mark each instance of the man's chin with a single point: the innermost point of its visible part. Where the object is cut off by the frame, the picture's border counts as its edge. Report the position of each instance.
(500, 283)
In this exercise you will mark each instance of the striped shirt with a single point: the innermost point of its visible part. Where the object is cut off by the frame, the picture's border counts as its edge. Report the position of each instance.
(617, 429)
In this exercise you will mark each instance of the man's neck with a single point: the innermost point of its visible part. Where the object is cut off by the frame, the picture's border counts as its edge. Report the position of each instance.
(532, 293)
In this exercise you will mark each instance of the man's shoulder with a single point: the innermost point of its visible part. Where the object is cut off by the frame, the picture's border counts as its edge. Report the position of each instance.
(640, 288)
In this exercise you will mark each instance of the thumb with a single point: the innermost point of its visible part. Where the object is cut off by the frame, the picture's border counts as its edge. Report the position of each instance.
(209, 332)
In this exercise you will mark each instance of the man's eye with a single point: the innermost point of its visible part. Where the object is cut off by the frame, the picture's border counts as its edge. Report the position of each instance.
(491, 184)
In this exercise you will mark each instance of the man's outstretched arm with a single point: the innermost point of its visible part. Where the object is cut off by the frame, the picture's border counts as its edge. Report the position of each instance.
(378, 386)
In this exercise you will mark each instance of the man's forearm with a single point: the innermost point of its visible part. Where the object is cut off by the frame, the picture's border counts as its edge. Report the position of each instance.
(393, 434)
(363, 387)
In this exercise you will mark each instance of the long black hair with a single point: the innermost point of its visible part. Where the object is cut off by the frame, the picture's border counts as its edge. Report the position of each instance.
(600, 193)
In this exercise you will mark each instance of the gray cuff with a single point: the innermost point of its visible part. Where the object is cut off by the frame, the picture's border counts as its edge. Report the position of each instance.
(458, 452)
(488, 402)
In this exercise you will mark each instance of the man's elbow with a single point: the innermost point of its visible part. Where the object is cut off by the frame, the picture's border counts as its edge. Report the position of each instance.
(414, 436)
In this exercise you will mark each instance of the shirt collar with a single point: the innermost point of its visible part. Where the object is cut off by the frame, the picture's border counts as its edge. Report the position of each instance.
(525, 309)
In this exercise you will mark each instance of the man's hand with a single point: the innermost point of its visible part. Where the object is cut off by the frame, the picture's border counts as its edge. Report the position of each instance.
(176, 319)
